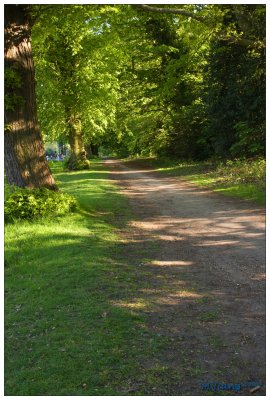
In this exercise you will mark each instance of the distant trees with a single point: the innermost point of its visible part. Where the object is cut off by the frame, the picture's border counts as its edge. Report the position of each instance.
(25, 162)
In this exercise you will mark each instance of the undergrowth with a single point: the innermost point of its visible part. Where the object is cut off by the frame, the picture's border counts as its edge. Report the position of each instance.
(35, 203)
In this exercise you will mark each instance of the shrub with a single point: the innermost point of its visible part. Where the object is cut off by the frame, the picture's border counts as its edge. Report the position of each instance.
(244, 171)
(36, 203)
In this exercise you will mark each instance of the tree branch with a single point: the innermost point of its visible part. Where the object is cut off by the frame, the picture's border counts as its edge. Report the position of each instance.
(145, 7)
(244, 42)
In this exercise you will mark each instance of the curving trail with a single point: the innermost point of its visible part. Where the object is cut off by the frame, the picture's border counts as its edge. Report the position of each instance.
(204, 256)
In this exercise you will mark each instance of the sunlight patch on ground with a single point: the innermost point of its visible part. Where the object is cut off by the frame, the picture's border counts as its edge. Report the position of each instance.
(132, 171)
(177, 297)
(219, 243)
(137, 305)
(259, 277)
(171, 263)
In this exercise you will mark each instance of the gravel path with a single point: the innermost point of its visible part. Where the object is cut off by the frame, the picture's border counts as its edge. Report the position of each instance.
(204, 255)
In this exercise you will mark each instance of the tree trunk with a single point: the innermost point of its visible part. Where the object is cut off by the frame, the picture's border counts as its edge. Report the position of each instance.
(92, 149)
(25, 161)
(78, 153)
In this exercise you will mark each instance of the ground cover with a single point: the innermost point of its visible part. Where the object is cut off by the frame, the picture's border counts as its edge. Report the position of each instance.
(65, 335)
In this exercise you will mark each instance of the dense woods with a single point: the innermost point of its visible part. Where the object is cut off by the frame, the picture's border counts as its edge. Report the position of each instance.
(183, 82)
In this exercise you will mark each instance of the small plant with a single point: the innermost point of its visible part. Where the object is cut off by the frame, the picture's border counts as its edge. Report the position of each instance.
(35, 203)
(216, 342)
(209, 316)
(203, 300)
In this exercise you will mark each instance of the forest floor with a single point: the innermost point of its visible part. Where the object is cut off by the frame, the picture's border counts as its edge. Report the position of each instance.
(201, 257)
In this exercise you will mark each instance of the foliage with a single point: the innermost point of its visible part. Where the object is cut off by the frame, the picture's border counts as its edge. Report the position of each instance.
(201, 93)
(36, 203)
(77, 69)
(244, 171)
(152, 83)
(12, 82)
(235, 100)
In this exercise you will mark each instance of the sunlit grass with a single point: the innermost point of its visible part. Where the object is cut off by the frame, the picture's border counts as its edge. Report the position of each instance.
(65, 332)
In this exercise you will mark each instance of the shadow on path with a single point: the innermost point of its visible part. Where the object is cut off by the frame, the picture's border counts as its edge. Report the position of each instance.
(204, 258)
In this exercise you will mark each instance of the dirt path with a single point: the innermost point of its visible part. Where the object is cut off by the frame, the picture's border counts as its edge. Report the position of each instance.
(204, 255)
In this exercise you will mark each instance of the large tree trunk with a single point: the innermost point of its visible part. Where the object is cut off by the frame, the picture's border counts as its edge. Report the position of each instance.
(25, 161)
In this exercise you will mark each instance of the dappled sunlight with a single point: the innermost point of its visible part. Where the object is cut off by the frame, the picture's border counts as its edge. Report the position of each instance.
(220, 243)
(186, 294)
(170, 263)
(155, 298)
(192, 227)
(259, 277)
(133, 305)
(178, 298)
(82, 182)
(133, 171)
(204, 231)
(94, 213)
(73, 240)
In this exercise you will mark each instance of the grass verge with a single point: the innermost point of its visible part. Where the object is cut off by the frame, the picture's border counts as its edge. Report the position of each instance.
(244, 179)
(66, 333)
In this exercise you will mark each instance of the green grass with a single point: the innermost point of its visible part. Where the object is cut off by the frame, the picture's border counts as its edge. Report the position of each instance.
(209, 316)
(67, 331)
(244, 179)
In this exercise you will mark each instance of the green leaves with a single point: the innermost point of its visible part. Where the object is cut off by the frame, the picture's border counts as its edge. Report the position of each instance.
(12, 78)
(77, 68)
(36, 203)
(154, 81)
(13, 82)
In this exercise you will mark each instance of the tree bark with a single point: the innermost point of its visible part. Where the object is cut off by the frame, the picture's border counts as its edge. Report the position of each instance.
(76, 142)
(25, 161)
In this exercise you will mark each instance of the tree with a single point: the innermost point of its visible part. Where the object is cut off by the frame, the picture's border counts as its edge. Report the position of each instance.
(77, 68)
(207, 91)
(213, 18)
(25, 162)
(234, 93)
(187, 82)
(161, 83)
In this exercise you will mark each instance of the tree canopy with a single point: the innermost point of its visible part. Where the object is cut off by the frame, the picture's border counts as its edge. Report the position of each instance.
(183, 81)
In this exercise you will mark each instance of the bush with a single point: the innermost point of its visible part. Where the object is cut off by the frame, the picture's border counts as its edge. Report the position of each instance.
(244, 171)
(36, 203)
